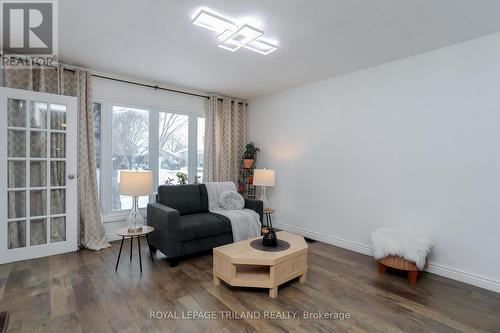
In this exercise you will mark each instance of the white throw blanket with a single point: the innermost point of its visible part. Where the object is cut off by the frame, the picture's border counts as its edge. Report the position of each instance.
(245, 223)
(388, 241)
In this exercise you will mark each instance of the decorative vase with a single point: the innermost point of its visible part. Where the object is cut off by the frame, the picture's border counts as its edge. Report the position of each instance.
(270, 239)
(247, 163)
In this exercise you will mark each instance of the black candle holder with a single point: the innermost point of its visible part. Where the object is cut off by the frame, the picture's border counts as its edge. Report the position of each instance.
(270, 239)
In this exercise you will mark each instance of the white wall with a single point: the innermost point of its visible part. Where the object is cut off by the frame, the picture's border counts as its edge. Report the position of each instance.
(412, 143)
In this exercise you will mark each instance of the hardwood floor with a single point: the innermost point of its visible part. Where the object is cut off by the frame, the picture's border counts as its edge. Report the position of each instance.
(81, 292)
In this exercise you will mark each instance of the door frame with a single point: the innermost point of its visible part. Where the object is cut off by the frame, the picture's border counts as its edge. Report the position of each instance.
(70, 244)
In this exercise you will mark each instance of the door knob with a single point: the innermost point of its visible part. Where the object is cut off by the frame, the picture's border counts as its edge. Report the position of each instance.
(71, 176)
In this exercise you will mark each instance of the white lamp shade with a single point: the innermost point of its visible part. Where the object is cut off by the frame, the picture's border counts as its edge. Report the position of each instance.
(263, 177)
(136, 183)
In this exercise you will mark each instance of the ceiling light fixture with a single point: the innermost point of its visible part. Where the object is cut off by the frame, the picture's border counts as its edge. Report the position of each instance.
(213, 22)
(232, 37)
(240, 38)
(261, 47)
(229, 45)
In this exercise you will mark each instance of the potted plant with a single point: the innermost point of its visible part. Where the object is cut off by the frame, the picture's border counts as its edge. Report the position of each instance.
(181, 178)
(250, 155)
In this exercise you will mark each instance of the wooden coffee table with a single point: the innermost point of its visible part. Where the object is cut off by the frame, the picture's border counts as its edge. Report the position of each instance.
(239, 264)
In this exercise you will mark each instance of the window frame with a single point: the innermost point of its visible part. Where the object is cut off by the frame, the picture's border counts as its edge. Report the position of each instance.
(106, 147)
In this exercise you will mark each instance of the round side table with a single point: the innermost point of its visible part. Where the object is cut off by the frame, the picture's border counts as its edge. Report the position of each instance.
(125, 233)
(267, 214)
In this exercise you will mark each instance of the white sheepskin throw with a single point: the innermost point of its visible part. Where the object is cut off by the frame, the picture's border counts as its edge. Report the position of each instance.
(410, 246)
(230, 200)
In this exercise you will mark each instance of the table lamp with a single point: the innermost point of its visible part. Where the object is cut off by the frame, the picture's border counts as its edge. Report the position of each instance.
(264, 178)
(135, 183)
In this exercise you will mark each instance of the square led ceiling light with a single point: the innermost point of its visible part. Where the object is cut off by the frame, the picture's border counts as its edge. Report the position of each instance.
(261, 47)
(240, 38)
(213, 22)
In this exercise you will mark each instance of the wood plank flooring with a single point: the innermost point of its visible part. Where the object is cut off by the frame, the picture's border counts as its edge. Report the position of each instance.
(81, 292)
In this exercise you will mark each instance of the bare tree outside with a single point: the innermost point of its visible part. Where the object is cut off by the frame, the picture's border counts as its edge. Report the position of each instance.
(173, 144)
(130, 146)
(170, 138)
(130, 137)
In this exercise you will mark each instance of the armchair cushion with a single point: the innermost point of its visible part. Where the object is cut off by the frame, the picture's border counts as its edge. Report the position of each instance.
(198, 226)
(187, 199)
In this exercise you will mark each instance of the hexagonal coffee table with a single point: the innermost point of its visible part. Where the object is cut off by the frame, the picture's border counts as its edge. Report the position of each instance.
(241, 265)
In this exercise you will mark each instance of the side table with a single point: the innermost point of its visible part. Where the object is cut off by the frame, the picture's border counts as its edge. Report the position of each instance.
(125, 233)
(267, 214)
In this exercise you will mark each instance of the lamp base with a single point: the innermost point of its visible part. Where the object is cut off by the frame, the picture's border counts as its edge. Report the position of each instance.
(135, 220)
(263, 198)
(135, 229)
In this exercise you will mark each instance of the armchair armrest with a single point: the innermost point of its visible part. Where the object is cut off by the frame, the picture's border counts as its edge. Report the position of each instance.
(257, 206)
(166, 236)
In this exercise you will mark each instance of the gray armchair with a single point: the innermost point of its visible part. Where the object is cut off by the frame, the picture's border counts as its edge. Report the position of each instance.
(183, 225)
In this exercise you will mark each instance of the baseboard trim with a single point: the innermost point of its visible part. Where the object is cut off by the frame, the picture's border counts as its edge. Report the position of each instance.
(448, 272)
(112, 237)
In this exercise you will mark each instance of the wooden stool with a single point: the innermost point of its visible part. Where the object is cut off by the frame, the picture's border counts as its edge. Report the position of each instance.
(402, 264)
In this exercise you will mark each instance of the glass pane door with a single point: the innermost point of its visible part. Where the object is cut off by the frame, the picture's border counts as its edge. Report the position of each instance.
(37, 165)
(37, 207)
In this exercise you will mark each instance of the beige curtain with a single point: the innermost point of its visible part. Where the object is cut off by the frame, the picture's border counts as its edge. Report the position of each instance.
(225, 135)
(73, 83)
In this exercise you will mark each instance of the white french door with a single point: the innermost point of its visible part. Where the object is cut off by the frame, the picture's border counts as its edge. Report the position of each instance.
(38, 137)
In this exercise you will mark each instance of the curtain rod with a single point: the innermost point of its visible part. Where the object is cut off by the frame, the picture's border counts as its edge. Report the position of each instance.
(155, 87)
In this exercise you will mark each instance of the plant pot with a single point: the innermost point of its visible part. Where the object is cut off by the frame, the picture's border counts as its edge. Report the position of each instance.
(247, 163)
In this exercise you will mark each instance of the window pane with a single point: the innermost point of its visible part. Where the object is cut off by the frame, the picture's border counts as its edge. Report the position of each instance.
(38, 173)
(38, 232)
(130, 147)
(58, 116)
(16, 113)
(58, 145)
(57, 229)
(16, 174)
(201, 146)
(173, 147)
(58, 173)
(97, 140)
(16, 143)
(16, 201)
(57, 202)
(38, 115)
(38, 146)
(17, 234)
(38, 203)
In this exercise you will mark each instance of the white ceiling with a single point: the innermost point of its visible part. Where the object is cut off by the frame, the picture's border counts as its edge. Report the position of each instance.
(154, 40)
